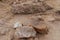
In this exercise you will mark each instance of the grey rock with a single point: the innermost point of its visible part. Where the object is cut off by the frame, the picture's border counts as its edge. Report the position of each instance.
(25, 32)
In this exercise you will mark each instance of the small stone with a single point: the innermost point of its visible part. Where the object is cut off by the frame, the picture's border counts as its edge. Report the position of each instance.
(41, 28)
(25, 32)
(17, 24)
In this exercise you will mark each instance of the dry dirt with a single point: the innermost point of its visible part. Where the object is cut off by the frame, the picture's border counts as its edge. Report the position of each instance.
(7, 20)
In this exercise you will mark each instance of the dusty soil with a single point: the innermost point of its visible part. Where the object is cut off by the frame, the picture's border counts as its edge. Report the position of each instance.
(7, 20)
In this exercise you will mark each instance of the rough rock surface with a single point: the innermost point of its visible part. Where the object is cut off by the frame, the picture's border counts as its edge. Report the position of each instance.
(29, 7)
(41, 27)
(25, 32)
(48, 13)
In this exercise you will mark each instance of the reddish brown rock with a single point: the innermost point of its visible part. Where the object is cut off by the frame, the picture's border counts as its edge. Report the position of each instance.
(39, 24)
(41, 28)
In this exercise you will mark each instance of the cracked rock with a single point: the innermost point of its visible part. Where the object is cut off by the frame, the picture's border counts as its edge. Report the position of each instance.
(25, 32)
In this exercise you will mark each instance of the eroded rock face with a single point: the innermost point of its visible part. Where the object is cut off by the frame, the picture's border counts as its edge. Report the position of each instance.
(29, 7)
(25, 32)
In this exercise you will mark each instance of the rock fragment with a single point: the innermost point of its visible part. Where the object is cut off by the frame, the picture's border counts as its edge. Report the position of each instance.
(25, 32)
(41, 28)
